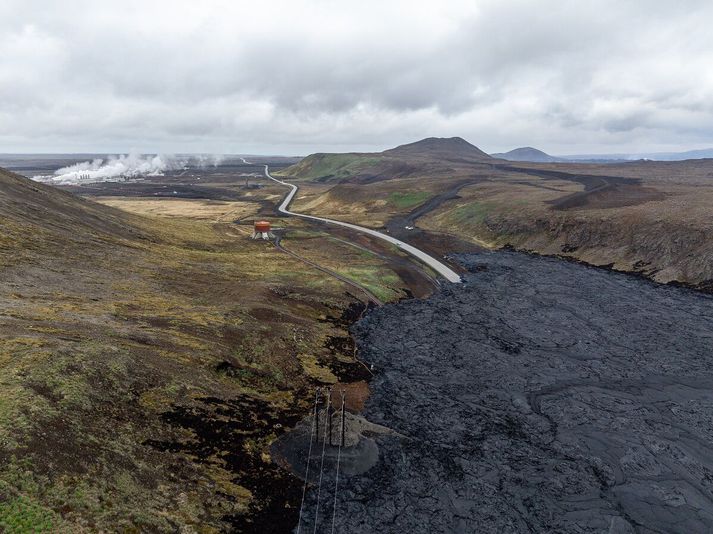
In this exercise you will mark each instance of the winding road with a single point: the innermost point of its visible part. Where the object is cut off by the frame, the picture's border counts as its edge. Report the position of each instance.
(441, 268)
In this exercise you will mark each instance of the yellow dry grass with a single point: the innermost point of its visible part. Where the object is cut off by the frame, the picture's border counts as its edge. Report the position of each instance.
(213, 210)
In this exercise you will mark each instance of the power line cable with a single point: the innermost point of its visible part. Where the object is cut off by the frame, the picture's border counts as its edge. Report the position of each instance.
(321, 467)
(309, 456)
(336, 478)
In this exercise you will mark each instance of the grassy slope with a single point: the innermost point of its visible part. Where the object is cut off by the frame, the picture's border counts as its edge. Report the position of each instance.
(667, 239)
(145, 366)
(331, 167)
(408, 199)
(371, 205)
(432, 154)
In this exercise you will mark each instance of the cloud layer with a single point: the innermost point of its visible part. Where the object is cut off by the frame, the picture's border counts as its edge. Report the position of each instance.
(297, 76)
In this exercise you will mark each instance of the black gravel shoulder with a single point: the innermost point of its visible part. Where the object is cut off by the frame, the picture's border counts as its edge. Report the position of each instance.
(539, 396)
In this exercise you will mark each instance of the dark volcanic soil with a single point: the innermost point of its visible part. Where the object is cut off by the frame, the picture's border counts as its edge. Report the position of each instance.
(540, 396)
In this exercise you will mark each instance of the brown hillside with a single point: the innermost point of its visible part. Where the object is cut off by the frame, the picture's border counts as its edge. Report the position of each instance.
(48, 208)
(147, 363)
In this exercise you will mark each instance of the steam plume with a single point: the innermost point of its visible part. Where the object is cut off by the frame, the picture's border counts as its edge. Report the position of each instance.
(119, 168)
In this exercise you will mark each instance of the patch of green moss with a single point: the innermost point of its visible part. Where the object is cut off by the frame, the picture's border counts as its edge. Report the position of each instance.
(409, 199)
(22, 515)
(19, 509)
(474, 213)
(327, 167)
(380, 282)
(311, 367)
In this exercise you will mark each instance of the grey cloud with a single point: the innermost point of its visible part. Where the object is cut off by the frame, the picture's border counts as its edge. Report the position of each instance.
(300, 76)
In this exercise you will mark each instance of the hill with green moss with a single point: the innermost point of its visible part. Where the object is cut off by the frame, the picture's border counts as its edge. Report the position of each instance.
(146, 365)
(399, 162)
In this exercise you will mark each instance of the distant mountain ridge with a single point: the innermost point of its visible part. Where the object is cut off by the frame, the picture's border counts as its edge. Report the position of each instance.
(705, 153)
(528, 154)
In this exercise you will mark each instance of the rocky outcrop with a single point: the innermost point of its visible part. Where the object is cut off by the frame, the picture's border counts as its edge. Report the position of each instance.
(662, 251)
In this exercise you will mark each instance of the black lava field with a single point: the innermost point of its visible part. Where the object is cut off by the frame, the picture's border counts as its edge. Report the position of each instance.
(539, 396)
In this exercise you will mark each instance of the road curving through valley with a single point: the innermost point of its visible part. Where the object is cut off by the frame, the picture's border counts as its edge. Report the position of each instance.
(441, 268)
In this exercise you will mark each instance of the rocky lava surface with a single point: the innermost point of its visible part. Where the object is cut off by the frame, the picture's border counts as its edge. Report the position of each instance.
(539, 396)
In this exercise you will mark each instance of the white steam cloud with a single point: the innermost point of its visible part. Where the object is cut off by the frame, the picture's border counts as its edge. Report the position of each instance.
(203, 161)
(126, 167)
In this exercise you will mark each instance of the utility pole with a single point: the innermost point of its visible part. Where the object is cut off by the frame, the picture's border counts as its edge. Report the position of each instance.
(343, 421)
(328, 416)
(316, 412)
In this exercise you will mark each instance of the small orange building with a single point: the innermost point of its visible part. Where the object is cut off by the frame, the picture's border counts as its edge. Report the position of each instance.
(262, 230)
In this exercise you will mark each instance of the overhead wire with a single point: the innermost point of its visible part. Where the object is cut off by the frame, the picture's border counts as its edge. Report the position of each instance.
(321, 466)
(336, 477)
(309, 456)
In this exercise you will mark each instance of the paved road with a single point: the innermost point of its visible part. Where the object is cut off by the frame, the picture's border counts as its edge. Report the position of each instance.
(442, 269)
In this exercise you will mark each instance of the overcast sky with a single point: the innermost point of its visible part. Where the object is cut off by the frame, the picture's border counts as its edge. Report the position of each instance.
(300, 76)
